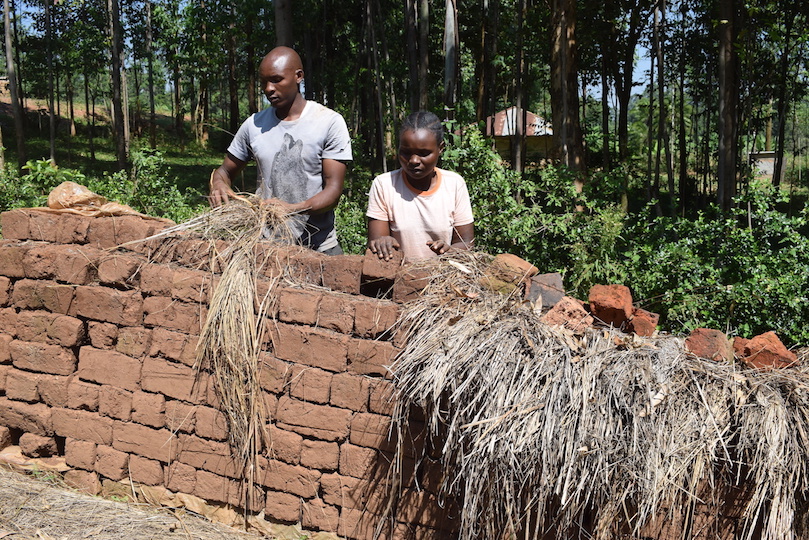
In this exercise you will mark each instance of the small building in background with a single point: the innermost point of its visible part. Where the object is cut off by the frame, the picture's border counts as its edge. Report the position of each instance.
(538, 133)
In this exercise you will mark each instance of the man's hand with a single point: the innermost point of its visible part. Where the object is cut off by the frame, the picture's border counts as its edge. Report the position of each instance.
(220, 192)
(384, 247)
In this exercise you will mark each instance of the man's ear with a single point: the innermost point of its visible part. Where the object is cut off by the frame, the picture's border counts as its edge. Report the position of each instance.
(299, 75)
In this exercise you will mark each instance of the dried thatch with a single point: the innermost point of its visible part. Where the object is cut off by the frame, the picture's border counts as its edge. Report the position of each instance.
(595, 434)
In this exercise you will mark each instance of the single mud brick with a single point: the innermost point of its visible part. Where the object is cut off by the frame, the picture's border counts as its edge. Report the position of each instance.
(510, 269)
(192, 285)
(5, 291)
(349, 391)
(284, 507)
(145, 471)
(109, 367)
(102, 335)
(643, 323)
(84, 481)
(81, 454)
(359, 523)
(345, 491)
(612, 304)
(111, 463)
(11, 259)
(71, 264)
(115, 402)
(739, 343)
(357, 461)
(336, 313)
(193, 253)
(211, 424)
(149, 409)
(709, 343)
(61, 228)
(382, 397)
(320, 516)
(14, 224)
(311, 420)
(310, 384)
(22, 386)
(124, 308)
(42, 357)
(5, 437)
(28, 417)
(373, 318)
(33, 294)
(171, 379)
(180, 417)
(173, 314)
(173, 346)
(158, 444)
(82, 425)
(181, 478)
(374, 268)
(371, 430)
(119, 269)
(107, 232)
(304, 265)
(37, 446)
(53, 389)
(321, 455)
(156, 279)
(342, 273)
(299, 306)
(409, 283)
(134, 341)
(545, 289)
(82, 395)
(213, 456)
(319, 348)
(285, 445)
(766, 352)
(273, 373)
(52, 328)
(570, 313)
(280, 476)
(5, 340)
(368, 357)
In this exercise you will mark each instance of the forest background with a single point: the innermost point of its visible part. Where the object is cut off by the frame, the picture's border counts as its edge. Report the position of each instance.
(648, 182)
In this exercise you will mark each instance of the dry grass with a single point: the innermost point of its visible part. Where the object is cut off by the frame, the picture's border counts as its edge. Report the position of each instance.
(591, 435)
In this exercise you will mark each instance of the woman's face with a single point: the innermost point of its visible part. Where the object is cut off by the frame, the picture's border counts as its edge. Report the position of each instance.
(418, 153)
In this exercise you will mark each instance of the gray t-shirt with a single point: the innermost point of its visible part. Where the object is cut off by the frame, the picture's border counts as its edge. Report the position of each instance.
(289, 160)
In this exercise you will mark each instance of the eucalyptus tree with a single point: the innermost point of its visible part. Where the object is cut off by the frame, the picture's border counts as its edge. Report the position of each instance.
(19, 130)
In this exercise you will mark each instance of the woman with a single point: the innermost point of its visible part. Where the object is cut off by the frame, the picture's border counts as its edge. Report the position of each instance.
(419, 209)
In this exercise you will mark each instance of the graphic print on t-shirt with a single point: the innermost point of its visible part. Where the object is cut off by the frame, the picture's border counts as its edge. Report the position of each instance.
(287, 177)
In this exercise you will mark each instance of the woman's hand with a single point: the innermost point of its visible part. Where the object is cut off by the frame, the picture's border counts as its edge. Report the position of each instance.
(439, 246)
(384, 246)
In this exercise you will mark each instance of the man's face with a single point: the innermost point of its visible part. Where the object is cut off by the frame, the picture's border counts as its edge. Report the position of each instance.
(279, 81)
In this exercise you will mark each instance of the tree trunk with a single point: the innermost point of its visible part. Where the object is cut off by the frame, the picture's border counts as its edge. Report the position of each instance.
(518, 139)
(662, 110)
(412, 52)
(89, 115)
(567, 136)
(117, 95)
(728, 105)
(451, 61)
(150, 67)
(378, 86)
(424, 53)
(51, 112)
(283, 23)
(250, 54)
(783, 98)
(681, 140)
(19, 129)
(233, 87)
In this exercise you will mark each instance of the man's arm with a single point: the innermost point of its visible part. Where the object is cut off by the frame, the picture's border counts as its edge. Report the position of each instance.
(334, 173)
(222, 180)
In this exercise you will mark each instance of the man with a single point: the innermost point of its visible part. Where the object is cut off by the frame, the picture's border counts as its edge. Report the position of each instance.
(301, 149)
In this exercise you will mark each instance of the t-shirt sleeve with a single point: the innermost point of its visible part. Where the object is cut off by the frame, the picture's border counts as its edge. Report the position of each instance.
(240, 146)
(463, 206)
(377, 205)
(338, 141)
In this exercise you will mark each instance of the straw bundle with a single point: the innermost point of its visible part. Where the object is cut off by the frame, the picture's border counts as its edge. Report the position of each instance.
(543, 432)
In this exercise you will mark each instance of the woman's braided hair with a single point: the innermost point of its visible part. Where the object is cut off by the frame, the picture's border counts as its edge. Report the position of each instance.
(424, 120)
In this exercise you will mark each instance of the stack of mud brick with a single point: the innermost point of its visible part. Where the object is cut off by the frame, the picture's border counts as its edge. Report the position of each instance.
(97, 363)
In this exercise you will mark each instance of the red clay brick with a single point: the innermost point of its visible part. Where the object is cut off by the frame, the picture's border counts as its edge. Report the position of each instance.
(53, 389)
(120, 270)
(5, 290)
(643, 323)
(336, 313)
(15, 224)
(144, 441)
(299, 306)
(149, 409)
(145, 471)
(81, 454)
(173, 314)
(181, 478)
(285, 445)
(319, 516)
(371, 430)
(191, 285)
(570, 313)
(115, 402)
(134, 341)
(171, 379)
(102, 335)
(342, 273)
(373, 318)
(357, 461)
(111, 463)
(319, 348)
(84, 481)
(82, 425)
(319, 421)
(611, 303)
(42, 357)
(321, 455)
(211, 424)
(212, 456)
(123, 308)
(382, 397)
(374, 268)
(81, 395)
(284, 507)
(174, 346)
(180, 416)
(273, 373)
(710, 344)
(33, 294)
(345, 491)
(107, 232)
(29, 417)
(22, 386)
(280, 476)
(766, 352)
(109, 367)
(310, 384)
(368, 357)
(59, 228)
(349, 391)
(69, 264)
(37, 445)
(11, 259)
(156, 279)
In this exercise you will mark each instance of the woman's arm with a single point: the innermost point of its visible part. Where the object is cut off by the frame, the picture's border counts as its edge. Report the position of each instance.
(379, 239)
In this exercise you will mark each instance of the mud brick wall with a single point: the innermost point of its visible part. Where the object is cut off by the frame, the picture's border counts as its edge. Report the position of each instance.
(97, 348)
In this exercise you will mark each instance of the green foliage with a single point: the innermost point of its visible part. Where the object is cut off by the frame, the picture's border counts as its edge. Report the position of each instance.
(351, 225)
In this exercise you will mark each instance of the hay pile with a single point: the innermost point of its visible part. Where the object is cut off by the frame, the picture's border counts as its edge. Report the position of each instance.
(543, 432)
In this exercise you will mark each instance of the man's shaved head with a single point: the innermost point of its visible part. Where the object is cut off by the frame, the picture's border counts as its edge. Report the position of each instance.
(283, 58)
